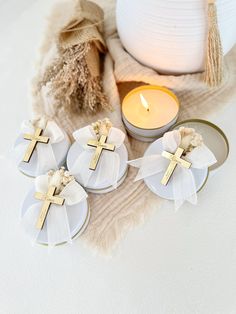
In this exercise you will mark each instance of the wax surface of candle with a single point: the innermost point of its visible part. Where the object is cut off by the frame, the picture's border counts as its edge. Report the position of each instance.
(163, 107)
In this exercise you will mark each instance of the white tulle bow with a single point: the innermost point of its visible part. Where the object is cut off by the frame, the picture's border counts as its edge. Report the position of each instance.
(183, 182)
(45, 157)
(56, 224)
(109, 163)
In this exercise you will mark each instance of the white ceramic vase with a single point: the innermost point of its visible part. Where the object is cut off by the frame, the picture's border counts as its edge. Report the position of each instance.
(170, 36)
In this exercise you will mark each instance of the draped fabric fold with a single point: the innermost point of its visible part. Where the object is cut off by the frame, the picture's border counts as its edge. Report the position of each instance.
(44, 152)
(184, 187)
(56, 224)
(109, 163)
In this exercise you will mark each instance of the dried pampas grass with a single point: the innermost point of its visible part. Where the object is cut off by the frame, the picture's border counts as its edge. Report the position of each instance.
(71, 83)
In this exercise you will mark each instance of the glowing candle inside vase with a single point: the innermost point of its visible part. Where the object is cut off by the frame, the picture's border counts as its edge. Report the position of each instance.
(149, 111)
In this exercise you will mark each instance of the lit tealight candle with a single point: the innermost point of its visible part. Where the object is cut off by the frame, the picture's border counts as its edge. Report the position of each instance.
(149, 111)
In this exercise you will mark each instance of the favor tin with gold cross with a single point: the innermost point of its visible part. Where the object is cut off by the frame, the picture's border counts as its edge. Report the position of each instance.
(77, 215)
(27, 159)
(162, 184)
(97, 147)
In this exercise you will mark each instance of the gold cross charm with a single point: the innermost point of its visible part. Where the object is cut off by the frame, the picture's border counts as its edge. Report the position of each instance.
(34, 138)
(174, 161)
(100, 146)
(47, 199)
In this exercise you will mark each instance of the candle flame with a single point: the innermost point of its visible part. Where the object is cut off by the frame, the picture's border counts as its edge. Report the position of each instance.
(144, 102)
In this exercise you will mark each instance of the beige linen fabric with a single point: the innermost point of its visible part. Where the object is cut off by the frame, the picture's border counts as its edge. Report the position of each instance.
(112, 214)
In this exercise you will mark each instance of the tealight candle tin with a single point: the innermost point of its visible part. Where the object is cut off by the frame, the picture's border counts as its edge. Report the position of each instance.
(149, 111)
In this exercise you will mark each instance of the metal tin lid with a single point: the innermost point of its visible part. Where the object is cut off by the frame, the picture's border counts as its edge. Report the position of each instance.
(110, 188)
(213, 137)
(78, 233)
(78, 217)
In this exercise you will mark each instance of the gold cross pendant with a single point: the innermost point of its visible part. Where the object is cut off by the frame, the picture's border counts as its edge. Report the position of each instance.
(34, 139)
(100, 146)
(47, 199)
(175, 159)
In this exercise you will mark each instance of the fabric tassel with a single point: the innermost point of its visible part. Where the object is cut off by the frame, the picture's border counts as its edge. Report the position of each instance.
(214, 57)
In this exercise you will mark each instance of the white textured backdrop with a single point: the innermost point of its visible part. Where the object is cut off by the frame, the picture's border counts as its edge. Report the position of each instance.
(175, 263)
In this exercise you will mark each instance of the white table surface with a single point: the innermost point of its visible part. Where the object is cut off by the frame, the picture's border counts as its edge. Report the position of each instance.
(180, 263)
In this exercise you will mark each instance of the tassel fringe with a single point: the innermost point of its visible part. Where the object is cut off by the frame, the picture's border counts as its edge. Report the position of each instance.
(214, 59)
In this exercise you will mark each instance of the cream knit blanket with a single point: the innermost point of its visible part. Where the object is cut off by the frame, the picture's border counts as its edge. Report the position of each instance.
(114, 213)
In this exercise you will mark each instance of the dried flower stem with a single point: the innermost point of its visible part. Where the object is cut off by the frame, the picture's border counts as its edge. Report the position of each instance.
(59, 178)
(71, 83)
(190, 139)
(102, 127)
